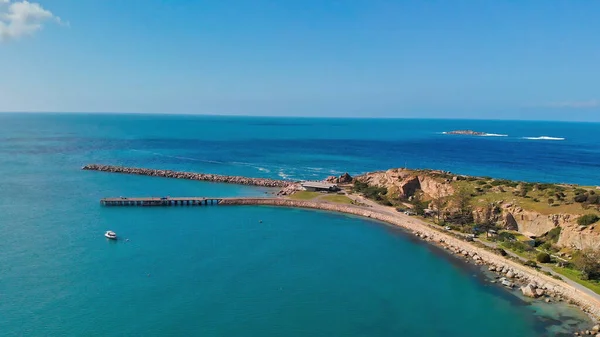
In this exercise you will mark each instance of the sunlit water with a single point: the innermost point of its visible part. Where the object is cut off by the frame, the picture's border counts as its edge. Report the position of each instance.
(220, 271)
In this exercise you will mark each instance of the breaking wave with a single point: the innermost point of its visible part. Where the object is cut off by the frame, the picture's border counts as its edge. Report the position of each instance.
(544, 138)
(494, 135)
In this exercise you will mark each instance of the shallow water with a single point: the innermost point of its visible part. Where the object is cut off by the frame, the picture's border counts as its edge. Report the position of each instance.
(218, 271)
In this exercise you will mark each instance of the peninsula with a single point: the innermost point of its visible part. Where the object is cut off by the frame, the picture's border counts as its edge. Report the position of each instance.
(525, 232)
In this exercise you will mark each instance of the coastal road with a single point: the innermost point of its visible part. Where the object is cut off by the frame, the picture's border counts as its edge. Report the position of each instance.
(392, 212)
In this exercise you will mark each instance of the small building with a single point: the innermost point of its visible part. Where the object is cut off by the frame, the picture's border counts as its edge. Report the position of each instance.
(318, 186)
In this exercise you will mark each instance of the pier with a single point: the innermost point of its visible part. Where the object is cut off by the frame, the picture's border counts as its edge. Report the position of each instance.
(157, 201)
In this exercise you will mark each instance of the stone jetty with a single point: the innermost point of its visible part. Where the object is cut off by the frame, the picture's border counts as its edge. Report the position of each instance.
(262, 182)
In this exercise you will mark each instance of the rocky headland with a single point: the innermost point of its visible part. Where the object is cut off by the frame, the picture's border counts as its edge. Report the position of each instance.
(529, 208)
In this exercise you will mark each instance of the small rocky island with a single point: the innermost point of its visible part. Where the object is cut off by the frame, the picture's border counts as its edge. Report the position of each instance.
(465, 132)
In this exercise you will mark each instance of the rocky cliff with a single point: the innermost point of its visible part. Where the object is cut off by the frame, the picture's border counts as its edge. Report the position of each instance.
(403, 183)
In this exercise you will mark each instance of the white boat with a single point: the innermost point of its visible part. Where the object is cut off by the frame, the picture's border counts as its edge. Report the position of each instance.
(110, 235)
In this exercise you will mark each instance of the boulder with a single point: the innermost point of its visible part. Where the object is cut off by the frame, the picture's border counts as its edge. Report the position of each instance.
(510, 222)
(510, 274)
(596, 328)
(539, 292)
(529, 290)
(332, 179)
(345, 178)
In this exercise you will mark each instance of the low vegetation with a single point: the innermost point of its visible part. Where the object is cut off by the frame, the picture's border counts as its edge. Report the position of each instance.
(587, 219)
(304, 195)
(378, 194)
(575, 275)
(340, 199)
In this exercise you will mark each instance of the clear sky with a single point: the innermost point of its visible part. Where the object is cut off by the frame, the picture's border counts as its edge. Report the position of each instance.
(447, 59)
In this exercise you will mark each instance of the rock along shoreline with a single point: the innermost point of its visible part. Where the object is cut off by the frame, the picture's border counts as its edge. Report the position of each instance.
(262, 182)
(541, 285)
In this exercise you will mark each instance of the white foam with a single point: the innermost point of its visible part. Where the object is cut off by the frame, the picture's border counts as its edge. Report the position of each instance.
(283, 175)
(544, 138)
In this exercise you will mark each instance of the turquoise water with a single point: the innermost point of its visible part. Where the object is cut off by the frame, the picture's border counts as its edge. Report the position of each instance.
(218, 271)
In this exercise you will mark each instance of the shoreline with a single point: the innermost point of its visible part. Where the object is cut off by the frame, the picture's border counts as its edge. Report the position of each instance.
(513, 271)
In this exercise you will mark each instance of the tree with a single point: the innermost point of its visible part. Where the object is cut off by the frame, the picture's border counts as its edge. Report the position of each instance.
(418, 206)
(461, 200)
(486, 221)
(438, 203)
(588, 262)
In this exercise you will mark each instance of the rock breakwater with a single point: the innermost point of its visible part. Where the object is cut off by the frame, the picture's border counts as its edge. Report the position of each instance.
(511, 272)
(262, 182)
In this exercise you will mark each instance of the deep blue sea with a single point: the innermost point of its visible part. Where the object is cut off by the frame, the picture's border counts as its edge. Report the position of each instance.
(218, 271)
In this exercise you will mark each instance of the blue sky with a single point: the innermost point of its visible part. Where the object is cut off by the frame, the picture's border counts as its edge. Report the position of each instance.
(440, 59)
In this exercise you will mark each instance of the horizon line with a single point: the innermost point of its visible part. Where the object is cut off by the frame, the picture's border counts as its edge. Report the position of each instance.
(289, 116)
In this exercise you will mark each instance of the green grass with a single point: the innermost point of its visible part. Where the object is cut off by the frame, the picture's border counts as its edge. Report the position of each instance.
(574, 275)
(526, 255)
(340, 199)
(304, 195)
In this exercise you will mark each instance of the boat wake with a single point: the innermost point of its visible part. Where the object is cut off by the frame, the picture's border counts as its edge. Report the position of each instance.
(544, 138)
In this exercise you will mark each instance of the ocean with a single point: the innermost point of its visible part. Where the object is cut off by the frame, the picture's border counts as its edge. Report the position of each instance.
(216, 271)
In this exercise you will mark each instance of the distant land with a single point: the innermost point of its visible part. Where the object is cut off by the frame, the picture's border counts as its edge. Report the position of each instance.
(466, 132)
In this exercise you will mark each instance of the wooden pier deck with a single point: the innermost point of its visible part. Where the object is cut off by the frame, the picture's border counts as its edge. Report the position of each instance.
(160, 201)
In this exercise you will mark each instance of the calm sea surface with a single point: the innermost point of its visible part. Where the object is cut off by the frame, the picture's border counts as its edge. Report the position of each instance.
(215, 271)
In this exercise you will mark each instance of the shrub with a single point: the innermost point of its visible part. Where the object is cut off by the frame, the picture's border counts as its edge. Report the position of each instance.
(531, 263)
(370, 192)
(550, 201)
(543, 257)
(506, 236)
(588, 262)
(580, 198)
(553, 234)
(587, 219)
(500, 251)
(593, 198)
(518, 246)
(498, 182)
